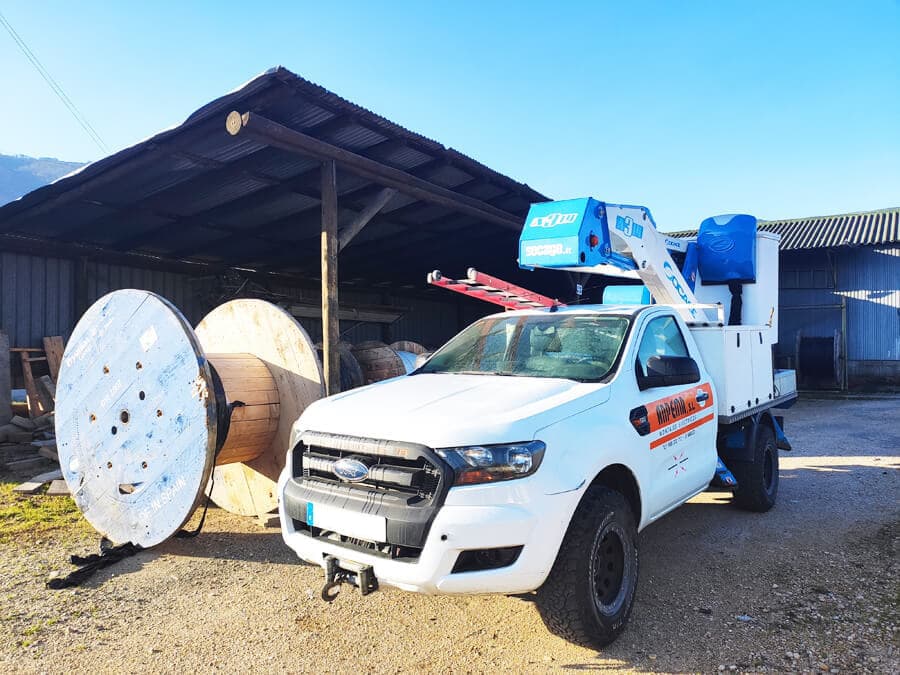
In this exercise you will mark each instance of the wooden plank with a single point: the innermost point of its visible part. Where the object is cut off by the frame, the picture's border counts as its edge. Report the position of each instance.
(45, 421)
(58, 488)
(47, 392)
(32, 485)
(5, 380)
(331, 332)
(49, 453)
(364, 216)
(22, 423)
(53, 348)
(22, 464)
(34, 400)
(14, 434)
(388, 315)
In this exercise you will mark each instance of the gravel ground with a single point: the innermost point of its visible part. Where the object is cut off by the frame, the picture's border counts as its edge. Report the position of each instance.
(811, 585)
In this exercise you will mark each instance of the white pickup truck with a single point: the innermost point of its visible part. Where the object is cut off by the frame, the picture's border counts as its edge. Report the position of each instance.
(527, 453)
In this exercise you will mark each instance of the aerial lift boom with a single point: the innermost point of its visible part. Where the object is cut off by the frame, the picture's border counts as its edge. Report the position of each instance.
(586, 235)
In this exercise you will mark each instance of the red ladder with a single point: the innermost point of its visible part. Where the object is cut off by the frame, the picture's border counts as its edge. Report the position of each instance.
(494, 290)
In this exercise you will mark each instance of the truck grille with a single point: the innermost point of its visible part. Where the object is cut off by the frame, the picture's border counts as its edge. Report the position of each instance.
(416, 480)
(405, 483)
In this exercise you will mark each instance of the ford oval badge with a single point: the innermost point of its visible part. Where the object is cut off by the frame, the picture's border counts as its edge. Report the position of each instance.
(350, 469)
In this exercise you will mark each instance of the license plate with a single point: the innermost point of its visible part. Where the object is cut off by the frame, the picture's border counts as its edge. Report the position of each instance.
(349, 523)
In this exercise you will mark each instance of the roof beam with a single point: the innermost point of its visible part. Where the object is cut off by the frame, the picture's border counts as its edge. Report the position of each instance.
(278, 135)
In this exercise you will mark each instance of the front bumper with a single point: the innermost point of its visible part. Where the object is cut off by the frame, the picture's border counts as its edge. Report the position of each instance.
(491, 516)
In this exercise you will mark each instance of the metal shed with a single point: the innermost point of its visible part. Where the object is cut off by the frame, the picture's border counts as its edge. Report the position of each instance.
(200, 214)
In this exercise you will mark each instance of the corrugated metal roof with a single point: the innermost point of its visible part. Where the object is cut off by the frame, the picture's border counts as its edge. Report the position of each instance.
(866, 228)
(194, 193)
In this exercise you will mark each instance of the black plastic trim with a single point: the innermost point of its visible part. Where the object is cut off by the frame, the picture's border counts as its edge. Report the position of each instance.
(408, 524)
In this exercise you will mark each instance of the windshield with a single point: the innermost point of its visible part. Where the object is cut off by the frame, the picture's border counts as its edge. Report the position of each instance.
(577, 347)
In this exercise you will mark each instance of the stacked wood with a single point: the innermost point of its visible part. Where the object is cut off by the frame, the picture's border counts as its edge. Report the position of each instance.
(40, 389)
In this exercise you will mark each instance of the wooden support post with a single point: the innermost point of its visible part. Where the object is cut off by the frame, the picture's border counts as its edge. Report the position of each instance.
(330, 326)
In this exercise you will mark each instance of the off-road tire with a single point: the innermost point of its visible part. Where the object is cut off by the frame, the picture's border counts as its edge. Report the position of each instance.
(586, 561)
(758, 480)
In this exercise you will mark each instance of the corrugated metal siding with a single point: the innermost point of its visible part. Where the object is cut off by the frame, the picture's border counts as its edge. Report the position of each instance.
(870, 280)
(36, 298)
(870, 228)
(180, 289)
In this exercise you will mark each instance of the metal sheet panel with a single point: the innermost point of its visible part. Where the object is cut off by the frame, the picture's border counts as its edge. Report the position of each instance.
(180, 289)
(870, 280)
(36, 298)
(869, 228)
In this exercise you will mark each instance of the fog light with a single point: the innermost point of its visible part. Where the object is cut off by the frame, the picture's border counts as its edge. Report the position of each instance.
(480, 559)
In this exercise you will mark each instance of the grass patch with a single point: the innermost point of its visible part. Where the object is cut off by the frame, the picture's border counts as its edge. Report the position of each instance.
(20, 514)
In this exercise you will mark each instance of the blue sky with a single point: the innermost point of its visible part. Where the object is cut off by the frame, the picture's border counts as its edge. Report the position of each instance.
(780, 109)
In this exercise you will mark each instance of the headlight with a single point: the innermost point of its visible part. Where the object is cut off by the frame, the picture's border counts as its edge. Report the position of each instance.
(489, 463)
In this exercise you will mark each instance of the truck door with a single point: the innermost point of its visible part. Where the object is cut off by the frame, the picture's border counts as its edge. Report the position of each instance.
(677, 422)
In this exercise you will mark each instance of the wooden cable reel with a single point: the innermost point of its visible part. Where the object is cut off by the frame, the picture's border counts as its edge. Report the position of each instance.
(378, 361)
(148, 410)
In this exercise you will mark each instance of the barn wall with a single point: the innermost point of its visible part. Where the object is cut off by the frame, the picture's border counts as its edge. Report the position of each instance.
(36, 298)
(40, 296)
(866, 279)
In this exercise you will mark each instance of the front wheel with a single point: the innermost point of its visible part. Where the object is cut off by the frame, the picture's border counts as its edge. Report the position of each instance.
(589, 593)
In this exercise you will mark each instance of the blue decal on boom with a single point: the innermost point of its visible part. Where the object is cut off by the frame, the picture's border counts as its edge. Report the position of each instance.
(670, 275)
(629, 227)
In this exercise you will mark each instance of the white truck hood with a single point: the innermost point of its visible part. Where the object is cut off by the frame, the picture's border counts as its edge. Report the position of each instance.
(446, 410)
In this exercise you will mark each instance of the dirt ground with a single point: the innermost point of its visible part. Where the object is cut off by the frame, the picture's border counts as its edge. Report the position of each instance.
(811, 585)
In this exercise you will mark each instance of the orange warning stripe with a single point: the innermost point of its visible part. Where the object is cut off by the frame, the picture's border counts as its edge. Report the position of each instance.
(678, 432)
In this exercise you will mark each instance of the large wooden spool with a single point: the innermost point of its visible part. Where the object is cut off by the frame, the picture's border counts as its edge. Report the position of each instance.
(408, 346)
(144, 413)
(351, 373)
(378, 361)
(274, 337)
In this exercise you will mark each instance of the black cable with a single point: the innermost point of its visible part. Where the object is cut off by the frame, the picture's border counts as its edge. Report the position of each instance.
(57, 89)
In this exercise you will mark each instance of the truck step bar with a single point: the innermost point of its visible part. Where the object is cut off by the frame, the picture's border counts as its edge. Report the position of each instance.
(493, 290)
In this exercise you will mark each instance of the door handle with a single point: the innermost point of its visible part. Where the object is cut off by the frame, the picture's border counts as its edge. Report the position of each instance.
(702, 396)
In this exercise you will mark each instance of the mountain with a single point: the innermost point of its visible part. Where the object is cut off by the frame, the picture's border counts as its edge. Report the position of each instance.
(20, 174)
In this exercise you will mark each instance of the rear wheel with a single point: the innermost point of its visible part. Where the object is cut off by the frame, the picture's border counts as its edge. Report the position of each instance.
(589, 593)
(758, 480)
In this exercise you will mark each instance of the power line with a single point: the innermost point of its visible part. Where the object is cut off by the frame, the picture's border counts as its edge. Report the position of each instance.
(58, 90)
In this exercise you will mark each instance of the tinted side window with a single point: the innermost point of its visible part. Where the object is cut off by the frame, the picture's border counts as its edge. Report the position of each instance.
(661, 338)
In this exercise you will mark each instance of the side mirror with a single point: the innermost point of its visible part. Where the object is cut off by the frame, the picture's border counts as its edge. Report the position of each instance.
(668, 371)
